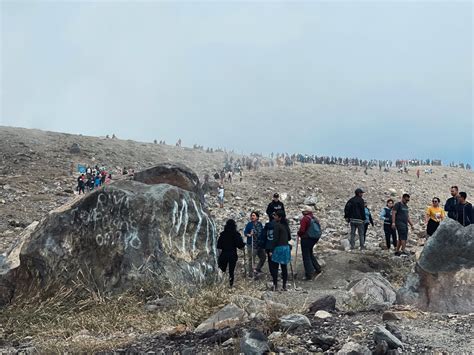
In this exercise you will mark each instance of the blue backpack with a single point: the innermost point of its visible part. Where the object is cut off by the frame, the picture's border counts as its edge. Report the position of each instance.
(314, 230)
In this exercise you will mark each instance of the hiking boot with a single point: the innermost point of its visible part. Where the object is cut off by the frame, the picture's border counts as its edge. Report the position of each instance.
(283, 289)
(274, 288)
(398, 253)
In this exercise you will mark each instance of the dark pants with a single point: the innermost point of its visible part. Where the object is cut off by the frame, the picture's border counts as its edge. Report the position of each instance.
(366, 226)
(310, 262)
(431, 227)
(274, 272)
(228, 258)
(390, 233)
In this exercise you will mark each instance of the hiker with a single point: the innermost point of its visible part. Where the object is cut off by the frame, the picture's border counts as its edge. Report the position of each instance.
(464, 210)
(275, 206)
(354, 213)
(228, 242)
(400, 221)
(220, 195)
(280, 254)
(97, 180)
(418, 173)
(253, 232)
(386, 216)
(368, 220)
(434, 215)
(450, 205)
(266, 241)
(80, 184)
(308, 241)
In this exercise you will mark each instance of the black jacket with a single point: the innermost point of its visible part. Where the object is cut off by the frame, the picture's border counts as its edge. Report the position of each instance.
(273, 207)
(281, 235)
(450, 207)
(230, 241)
(355, 209)
(464, 214)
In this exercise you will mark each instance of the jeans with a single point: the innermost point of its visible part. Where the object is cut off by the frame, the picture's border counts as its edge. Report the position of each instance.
(360, 230)
(310, 262)
(252, 256)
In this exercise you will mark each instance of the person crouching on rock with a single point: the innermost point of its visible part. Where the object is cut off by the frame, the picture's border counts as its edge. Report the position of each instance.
(228, 242)
(280, 255)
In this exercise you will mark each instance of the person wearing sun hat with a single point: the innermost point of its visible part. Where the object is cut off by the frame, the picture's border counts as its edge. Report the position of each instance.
(310, 263)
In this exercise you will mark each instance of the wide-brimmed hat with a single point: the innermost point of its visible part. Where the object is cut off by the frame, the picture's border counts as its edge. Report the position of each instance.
(307, 209)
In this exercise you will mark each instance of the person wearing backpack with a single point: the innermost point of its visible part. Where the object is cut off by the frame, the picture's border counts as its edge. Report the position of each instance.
(309, 236)
(280, 254)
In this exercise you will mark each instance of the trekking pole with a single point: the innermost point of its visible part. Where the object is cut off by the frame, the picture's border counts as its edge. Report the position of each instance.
(296, 255)
(245, 264)
(293, 276)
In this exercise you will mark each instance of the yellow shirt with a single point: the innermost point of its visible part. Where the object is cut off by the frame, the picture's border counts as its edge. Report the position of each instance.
(435, 213)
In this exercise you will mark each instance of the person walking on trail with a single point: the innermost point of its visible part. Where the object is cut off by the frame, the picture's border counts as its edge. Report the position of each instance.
(81, 184)
(368, 220)
(464, 211)
(280, 254)
(354, 213)
(275, 206)
(253, 231)
(228, 242)
(386, 216)
(310, 263)
(434, 215)
(400, 221)
(220, 195)
(451, 203)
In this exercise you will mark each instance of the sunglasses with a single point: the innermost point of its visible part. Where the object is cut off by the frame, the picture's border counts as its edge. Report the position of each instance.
(435, 201)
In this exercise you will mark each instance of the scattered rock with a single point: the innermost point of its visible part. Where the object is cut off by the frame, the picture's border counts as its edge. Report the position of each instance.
(382, 334)
(389, 316)
(75, 148)
(323, 315)
(326, 303)
(324, 341)
(371, 291)
(352, 348)
(294, 321)
(255, 342)
(381, 348)
(228, 316)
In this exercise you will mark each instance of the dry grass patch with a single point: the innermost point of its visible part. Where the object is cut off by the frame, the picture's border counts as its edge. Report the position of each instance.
(85, 321)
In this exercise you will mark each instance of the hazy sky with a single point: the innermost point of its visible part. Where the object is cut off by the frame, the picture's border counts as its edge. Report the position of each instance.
(375, 79)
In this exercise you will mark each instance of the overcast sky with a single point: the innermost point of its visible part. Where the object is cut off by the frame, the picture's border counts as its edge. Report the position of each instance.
(375, 79)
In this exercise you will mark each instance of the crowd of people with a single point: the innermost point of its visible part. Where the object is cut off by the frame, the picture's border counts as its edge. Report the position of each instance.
(271, 242)
(92, 179)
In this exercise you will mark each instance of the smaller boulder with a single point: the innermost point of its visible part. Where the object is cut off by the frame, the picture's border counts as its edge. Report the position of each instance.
(254, 341)
(352, 348)
(322, 315)
(382, 334)
(294, 321)
(325, 303)
(228, 316)
(325, 342)
(75, 148)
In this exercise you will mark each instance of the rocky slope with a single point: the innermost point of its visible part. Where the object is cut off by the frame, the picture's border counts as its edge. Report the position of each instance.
(38, 174)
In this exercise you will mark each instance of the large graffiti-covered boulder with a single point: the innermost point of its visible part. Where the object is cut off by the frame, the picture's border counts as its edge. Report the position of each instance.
(443, 279)
(115, 236)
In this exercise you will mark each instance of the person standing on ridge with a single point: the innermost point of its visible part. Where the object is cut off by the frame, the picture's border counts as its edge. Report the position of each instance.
(275, 206)
(400, 221)
(354, 213)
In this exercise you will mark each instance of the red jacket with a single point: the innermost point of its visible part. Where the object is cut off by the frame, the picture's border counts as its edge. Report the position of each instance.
(305, 223)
